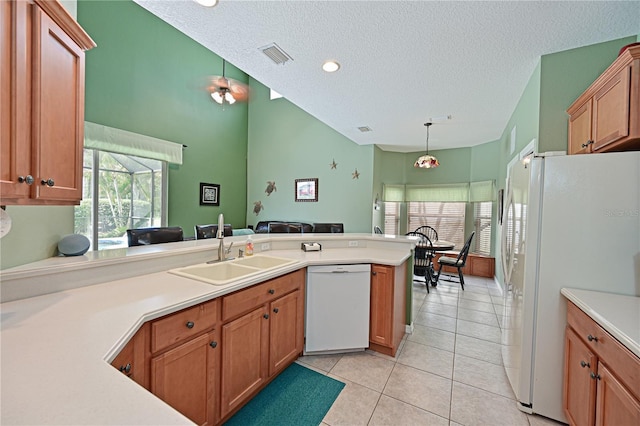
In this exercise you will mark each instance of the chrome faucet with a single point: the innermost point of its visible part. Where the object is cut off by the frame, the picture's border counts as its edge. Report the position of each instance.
(222, 253)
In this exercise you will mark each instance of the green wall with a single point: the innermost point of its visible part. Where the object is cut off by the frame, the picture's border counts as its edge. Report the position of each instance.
(145, 76)
(286, 143)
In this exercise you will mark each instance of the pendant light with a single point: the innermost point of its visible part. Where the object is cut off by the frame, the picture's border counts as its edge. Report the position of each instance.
(427, 161)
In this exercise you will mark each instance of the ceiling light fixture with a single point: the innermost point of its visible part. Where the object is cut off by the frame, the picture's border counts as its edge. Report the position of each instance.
(225, 90)
(331, 66)
(207, 3)
(427, 161)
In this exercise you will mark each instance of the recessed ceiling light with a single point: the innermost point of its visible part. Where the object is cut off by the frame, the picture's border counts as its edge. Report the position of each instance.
(331, 66)
(207, 3)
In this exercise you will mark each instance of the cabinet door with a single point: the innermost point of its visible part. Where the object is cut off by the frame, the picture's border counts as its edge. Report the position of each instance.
(580, 138)
(132, 360)
(579, 387)
(615, 404)
(286, 330)
(184, 378)
(15, 142)
(381, 316)
(611, 110)
(58, 112)
(245, 354)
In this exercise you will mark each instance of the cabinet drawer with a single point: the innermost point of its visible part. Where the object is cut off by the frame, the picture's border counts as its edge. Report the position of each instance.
(248, 299)
(623, 362)
(182, 325)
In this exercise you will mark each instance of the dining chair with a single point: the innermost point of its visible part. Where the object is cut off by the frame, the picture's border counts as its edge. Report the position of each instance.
(422, 258)
(456, 262)
(211, 231)
(154, 235)
(428, 231)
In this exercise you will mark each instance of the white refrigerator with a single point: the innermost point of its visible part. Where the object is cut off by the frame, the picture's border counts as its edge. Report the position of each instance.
(568, 221)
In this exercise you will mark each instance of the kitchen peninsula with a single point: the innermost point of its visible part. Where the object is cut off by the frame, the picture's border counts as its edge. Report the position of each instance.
(58, 341)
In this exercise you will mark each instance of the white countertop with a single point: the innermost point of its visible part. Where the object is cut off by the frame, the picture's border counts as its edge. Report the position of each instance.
(56, 347)
(617, 314)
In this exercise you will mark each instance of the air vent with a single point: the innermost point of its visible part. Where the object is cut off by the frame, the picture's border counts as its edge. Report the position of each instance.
(365, 129)
(276, 54)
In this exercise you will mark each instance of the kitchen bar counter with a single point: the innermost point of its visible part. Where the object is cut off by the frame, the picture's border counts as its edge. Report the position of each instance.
(617, 314)
(56, 348)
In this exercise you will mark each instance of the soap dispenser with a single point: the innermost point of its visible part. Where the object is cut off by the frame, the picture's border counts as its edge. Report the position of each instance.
(248, 250)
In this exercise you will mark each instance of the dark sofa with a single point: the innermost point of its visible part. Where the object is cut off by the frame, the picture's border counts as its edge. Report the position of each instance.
(282, 227)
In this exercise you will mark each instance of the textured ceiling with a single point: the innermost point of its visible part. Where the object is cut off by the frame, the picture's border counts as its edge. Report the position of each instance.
(402, 62)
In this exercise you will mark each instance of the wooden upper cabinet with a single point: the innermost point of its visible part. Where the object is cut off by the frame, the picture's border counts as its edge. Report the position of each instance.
(606, 117)
(580, 139)
(42, 103)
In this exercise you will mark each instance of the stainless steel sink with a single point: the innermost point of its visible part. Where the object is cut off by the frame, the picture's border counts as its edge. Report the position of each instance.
(225, 272)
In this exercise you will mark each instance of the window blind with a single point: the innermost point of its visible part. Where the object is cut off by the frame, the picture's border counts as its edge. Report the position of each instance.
(394, 193)
(110, 139)
(391, 218)
(452, 192)
(482, 191)
(446, 218)
(482, 225)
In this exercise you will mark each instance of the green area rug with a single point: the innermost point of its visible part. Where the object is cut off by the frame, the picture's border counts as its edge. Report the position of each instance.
(298, 396)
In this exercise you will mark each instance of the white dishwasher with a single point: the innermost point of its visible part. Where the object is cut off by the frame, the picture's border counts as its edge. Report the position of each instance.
(337, 308)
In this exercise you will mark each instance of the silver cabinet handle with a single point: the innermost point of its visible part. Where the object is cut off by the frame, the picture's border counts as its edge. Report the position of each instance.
(584, 364)
(213, 344)
(592, 338)
(49, 182)
(190, 324)
(594, 376)
(586, 144)
(26, 179)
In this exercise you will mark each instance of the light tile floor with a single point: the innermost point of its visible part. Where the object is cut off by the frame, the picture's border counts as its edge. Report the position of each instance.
(447, 372)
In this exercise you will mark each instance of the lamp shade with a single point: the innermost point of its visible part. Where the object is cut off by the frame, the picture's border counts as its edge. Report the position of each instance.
(426, 162)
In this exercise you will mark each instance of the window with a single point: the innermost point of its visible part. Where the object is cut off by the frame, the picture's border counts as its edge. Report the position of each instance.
(129, 193)
(482, 226)
(446, 218)
(391, 218)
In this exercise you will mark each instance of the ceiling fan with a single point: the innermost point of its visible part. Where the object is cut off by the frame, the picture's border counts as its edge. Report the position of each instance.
(226, 90)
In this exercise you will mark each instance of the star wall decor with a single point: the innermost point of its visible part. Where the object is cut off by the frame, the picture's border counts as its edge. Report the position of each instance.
(356, 175)
(334, 164)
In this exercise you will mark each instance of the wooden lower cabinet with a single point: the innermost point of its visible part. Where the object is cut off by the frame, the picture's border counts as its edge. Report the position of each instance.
(601, 376)
(615, 405)
(286, 331)
(262, 342)
(208, 360)
(388, 308)
(133, 358)
(579, 387)
(244, 358)
(185, 378)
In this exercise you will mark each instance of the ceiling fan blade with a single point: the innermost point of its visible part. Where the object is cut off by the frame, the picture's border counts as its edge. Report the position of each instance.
(239, 92)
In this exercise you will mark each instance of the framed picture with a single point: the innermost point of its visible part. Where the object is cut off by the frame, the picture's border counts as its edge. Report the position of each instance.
(209, 194)
(306, 189)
